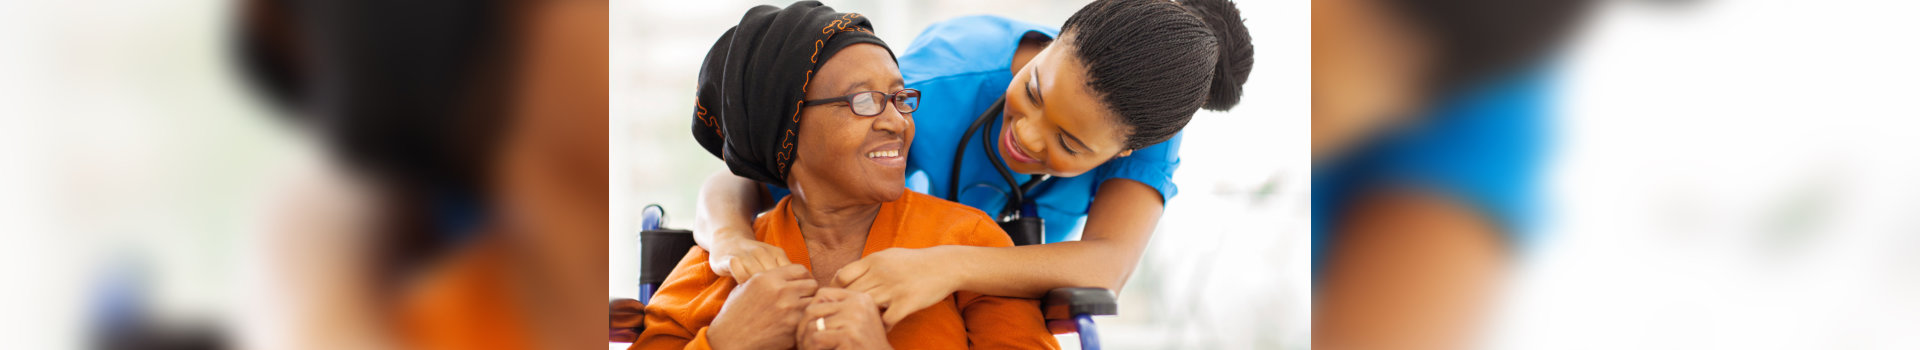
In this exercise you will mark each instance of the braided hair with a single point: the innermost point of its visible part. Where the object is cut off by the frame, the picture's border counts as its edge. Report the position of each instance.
(1156, 62)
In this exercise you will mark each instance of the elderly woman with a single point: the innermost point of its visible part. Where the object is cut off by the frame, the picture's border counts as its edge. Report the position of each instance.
(808, 99)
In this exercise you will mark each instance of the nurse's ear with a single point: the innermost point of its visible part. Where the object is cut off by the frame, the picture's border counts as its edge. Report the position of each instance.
(1126, 153)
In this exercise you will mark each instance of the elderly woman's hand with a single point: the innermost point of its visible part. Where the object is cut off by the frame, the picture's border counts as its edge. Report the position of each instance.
(842, 319)
(900, 280)
(763, 313)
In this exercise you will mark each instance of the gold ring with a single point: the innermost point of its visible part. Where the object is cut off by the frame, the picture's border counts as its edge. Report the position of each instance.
(820, 324)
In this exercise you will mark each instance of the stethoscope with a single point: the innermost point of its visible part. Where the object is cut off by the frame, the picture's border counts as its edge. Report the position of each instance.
(1018, 217)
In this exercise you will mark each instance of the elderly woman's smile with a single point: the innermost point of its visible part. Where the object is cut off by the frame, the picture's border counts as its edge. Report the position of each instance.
(888, 155)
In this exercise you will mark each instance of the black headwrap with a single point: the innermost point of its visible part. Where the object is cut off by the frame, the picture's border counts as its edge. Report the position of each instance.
(755, 78)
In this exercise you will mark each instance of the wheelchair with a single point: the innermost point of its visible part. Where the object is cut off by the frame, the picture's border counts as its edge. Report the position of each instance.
(1067, 310)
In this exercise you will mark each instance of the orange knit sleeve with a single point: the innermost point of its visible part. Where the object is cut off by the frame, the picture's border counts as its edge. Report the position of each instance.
(680, 311)
(1000, 322)
(1004, 323)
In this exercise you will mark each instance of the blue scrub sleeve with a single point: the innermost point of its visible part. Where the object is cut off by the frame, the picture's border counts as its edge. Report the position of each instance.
(1482, 148)
(1152, 166)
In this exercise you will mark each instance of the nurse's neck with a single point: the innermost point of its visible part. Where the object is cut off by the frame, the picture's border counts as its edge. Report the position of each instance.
(830, 219)
(1030, 45)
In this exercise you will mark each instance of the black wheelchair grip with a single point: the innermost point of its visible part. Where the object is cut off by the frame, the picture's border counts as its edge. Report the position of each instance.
(1064, 303)
(660, 251)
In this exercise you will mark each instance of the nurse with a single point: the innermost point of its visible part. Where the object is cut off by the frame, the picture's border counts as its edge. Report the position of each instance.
(1085, 119)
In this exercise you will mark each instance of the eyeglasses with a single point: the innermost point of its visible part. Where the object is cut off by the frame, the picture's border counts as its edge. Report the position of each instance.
(867, 103)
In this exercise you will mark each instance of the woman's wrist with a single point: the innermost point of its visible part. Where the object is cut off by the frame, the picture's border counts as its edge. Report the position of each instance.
(723, 338)
(960, 271)
(727, 240)
(716, 338)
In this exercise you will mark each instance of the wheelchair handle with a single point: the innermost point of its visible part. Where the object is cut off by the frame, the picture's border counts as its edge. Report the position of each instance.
(652, 217)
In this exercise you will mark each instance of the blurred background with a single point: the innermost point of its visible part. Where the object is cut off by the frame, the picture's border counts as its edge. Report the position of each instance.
(133, 160)
(1227, 268)
(1722, 174)
(1729, 175)
(1714, 175)
(287, 174)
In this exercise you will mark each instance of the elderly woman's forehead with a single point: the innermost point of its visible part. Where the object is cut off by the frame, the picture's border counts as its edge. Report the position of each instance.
(861, 67)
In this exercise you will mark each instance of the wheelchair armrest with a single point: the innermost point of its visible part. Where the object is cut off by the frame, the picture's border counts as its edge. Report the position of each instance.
(1063, 306)
(660, 251)
(1064, 303)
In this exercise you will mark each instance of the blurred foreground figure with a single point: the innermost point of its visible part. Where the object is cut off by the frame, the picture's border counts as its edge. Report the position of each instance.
(463, 203)
(1427, 122)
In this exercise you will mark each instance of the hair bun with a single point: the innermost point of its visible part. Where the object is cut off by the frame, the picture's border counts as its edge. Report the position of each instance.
(1234, 61)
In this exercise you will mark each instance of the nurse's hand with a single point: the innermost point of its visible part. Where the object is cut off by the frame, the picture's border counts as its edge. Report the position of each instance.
(842, 319)
(739, 256)
(764, 312)
(900, 280)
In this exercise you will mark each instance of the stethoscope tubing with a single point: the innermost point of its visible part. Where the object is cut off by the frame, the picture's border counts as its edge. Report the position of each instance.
(1018, 196)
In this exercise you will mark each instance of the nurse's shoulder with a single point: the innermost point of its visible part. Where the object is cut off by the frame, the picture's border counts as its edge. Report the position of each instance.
(965, 45)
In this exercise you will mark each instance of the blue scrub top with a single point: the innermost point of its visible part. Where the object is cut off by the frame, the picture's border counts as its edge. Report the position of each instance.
(961, 66)
(1481, 147)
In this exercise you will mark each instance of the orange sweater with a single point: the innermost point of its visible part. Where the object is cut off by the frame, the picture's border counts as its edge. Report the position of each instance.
(687, 302)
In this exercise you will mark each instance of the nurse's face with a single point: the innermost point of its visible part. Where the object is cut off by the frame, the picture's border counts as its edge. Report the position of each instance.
(847, 156)
(1054, 123)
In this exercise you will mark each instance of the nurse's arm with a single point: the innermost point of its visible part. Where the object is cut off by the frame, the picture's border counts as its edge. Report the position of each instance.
(1118, 225)
(904, 281)
(1413, 270)
(723, 225)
